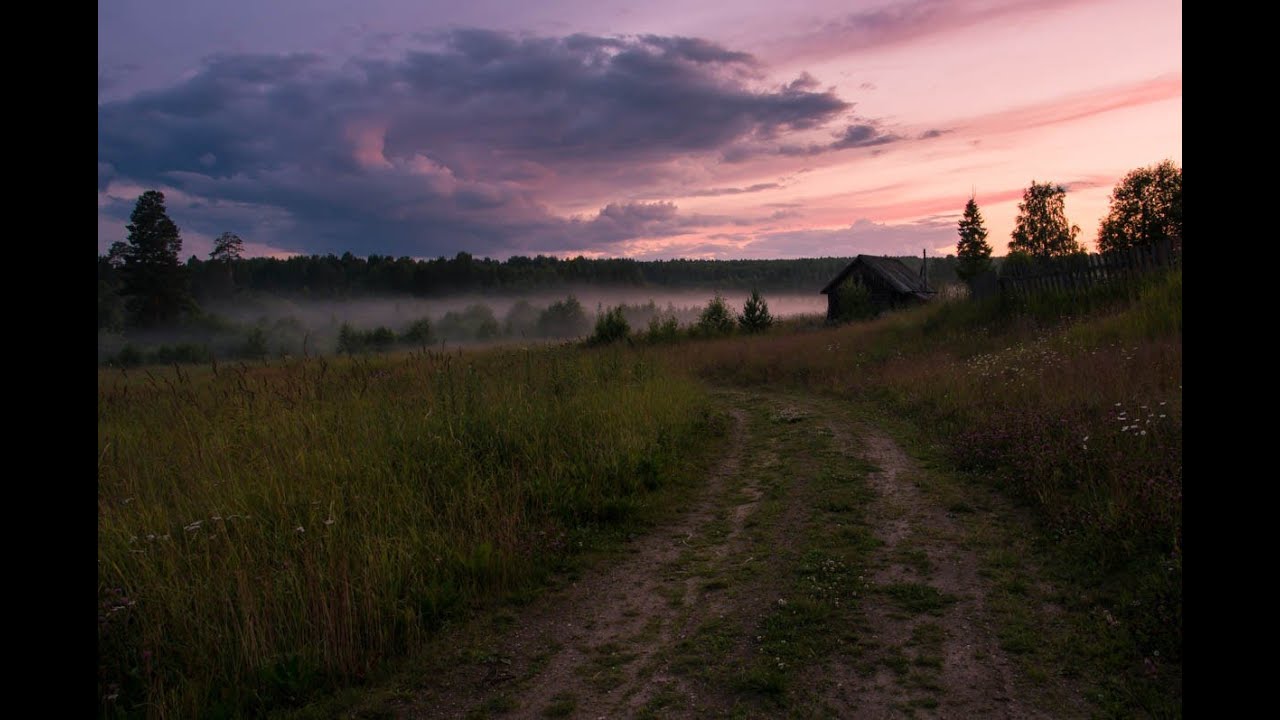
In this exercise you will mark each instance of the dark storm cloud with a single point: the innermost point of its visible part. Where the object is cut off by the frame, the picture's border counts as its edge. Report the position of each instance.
(448, 148)
(861, 134)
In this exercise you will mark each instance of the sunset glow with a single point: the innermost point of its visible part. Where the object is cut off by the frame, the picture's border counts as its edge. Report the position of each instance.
(666, 129)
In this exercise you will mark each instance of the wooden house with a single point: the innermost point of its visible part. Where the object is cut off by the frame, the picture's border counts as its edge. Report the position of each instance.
(889, 283)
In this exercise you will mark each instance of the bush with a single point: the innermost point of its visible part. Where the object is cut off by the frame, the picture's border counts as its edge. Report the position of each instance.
(418, 332)
(853, 302)
(255, 345)
(522, 320)
(564, 319)
(129, 356)
(476, 322)
(611, 326)
(181, 353)
(716, 318)
(662, 329)
(380, 338)
(350, 340)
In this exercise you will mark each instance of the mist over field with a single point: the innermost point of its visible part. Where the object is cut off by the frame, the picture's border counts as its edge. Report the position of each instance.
(393, 311)
(269, 325)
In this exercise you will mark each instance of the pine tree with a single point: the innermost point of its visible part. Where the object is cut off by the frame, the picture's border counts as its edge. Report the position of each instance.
(227, 247)
(1041, 229)
(755, 315)
(973, 251)
(154, 280)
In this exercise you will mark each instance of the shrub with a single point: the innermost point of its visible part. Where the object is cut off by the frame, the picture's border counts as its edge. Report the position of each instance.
(129, 356)
(662, 328)
(522, 320)
(255, 344)
(716, 318)
(380, 338)
(853, 302)
(611, 326)
(475, 322)
(418, 332)
(350, 340)
(565, 318)
(181, 353)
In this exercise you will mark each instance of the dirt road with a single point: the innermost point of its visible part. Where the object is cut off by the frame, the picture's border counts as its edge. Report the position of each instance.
(815, 575)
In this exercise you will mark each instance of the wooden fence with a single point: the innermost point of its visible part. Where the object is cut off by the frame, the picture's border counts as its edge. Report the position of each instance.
(1081, 272)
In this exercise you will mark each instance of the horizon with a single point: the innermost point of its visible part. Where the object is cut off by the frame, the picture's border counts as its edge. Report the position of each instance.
(728, 132)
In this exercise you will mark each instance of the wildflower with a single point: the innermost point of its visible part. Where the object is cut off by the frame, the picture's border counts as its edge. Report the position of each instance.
(1144, 432)
(299, 529)
(782, 602)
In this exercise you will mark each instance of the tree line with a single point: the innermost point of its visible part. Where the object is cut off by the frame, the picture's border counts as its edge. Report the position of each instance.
(143, 283)
(1145, 208)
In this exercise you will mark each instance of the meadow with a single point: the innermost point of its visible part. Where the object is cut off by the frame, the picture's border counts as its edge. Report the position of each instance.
(267, 531)
(270, 530)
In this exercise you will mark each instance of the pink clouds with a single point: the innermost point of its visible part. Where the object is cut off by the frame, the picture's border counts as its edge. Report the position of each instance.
(1077, 106)
(895, 24)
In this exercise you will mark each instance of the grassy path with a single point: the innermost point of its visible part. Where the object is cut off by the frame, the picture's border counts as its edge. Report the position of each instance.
(822, 572)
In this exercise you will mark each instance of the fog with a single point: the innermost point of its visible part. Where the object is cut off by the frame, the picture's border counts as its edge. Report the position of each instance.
(271, 326)
(393, 312)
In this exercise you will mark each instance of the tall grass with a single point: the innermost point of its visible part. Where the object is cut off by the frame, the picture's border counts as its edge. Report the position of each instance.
(266, 531)
(1071, 403)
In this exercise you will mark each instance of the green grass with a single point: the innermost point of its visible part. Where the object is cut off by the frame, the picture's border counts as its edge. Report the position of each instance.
(917, 597)
(268, 532)
(562, 705)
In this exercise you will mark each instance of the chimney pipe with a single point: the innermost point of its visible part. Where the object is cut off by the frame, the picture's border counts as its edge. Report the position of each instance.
(924, 268)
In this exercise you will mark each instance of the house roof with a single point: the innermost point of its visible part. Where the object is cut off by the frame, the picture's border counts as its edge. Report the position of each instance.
(898, 276)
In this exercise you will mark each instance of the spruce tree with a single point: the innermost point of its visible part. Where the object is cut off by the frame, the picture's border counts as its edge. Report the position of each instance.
(755, 315)
(154, 280)
(972, 251)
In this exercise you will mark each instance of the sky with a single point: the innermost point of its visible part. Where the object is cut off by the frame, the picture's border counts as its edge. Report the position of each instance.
(605, 128)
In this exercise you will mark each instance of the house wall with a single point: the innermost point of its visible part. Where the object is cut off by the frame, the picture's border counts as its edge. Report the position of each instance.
(883, 295)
